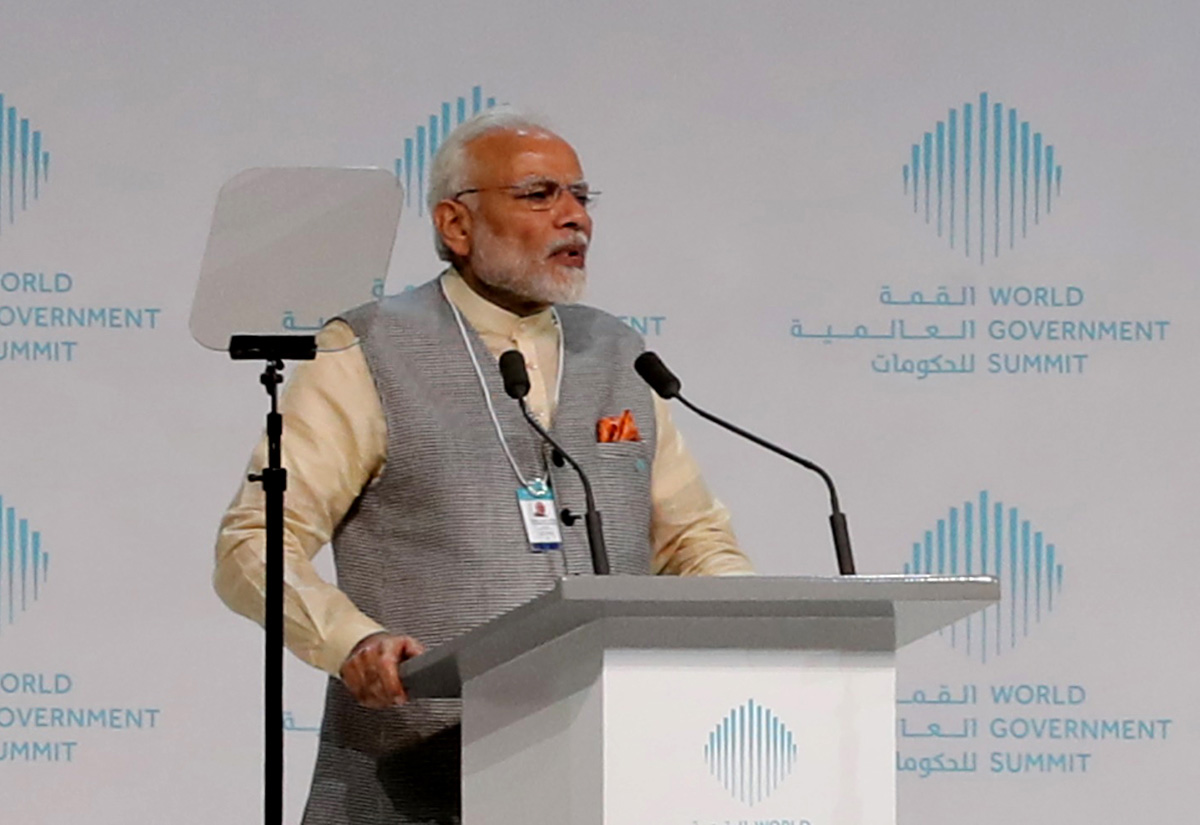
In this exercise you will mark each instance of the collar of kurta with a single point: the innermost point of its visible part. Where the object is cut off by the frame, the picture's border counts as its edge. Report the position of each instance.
(489, 319)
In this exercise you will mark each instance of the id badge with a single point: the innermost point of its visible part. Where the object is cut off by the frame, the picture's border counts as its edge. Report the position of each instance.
(540, 514)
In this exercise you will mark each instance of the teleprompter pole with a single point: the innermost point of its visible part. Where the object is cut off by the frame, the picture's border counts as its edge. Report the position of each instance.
(273, 478)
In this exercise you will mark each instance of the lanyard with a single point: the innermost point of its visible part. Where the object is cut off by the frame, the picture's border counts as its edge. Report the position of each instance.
(487, 396)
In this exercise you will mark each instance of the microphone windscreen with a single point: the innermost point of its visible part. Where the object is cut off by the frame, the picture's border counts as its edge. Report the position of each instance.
(512, 370)
(655, 373)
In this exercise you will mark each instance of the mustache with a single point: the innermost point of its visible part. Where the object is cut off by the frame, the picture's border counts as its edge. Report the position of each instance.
(577, 240)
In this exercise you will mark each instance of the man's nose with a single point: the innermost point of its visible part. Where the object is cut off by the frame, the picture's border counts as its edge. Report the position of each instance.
(571, 214)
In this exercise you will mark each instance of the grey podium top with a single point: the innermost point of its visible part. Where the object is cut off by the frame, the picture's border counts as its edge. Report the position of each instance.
(797, 612)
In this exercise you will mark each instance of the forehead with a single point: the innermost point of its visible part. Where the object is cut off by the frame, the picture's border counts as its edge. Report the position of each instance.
(510, 156)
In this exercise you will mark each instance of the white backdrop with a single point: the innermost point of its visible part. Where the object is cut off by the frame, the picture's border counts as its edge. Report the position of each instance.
(756, 207)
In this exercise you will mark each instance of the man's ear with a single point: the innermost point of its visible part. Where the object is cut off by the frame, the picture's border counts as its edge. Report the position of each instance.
(453, 223)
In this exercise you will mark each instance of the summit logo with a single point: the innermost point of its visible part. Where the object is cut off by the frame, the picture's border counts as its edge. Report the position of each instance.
(750, 752)
(421, 147)
(24, 164)
(983, 178)
(985, 538)
(24, 566)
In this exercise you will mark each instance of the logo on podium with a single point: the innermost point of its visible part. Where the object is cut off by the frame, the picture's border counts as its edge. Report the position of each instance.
(750, 752)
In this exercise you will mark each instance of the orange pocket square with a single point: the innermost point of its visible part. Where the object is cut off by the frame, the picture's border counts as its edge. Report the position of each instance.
(617, 428)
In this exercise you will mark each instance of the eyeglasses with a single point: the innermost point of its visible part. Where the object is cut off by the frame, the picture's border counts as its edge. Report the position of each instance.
(540, 195)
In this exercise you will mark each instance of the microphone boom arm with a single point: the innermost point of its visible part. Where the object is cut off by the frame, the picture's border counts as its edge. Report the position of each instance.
(804, 462)
(591, 519)
(837, 519)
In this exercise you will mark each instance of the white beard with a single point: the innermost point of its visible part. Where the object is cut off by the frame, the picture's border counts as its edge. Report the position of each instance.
(500, 265)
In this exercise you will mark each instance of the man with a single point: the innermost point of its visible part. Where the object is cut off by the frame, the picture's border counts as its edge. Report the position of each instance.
(404, 449)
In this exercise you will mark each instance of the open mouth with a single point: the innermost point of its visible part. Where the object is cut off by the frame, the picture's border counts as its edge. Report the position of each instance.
(572, 254)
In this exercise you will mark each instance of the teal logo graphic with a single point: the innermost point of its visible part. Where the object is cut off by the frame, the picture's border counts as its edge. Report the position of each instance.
(982, 178)
(420, 148)
(984, 537)
(24, 566)
(24, 164)
(750, 752)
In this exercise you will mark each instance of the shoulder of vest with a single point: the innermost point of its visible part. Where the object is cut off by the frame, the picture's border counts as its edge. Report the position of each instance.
(410, 302)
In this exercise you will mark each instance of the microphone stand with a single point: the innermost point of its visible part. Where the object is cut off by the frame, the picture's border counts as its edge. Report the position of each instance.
(591, 518)
(273, 478)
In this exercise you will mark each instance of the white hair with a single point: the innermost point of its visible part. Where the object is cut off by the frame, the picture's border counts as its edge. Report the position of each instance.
(450, 171)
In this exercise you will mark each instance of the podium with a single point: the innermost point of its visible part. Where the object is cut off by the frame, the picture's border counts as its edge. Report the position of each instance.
(630, 700)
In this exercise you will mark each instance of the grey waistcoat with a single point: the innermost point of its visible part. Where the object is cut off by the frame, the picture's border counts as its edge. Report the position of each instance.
(436, 545)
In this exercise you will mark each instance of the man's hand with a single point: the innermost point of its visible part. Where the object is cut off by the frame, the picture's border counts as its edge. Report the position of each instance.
(371, 670)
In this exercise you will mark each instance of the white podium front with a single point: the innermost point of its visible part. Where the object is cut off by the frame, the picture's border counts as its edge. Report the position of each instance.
(690, 701)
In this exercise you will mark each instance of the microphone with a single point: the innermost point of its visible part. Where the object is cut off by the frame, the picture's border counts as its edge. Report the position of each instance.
(516, 377)
(655, 373)
(516, 384)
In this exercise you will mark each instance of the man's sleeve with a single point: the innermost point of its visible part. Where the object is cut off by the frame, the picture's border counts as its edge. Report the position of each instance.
(690, 531)
(334, 444)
